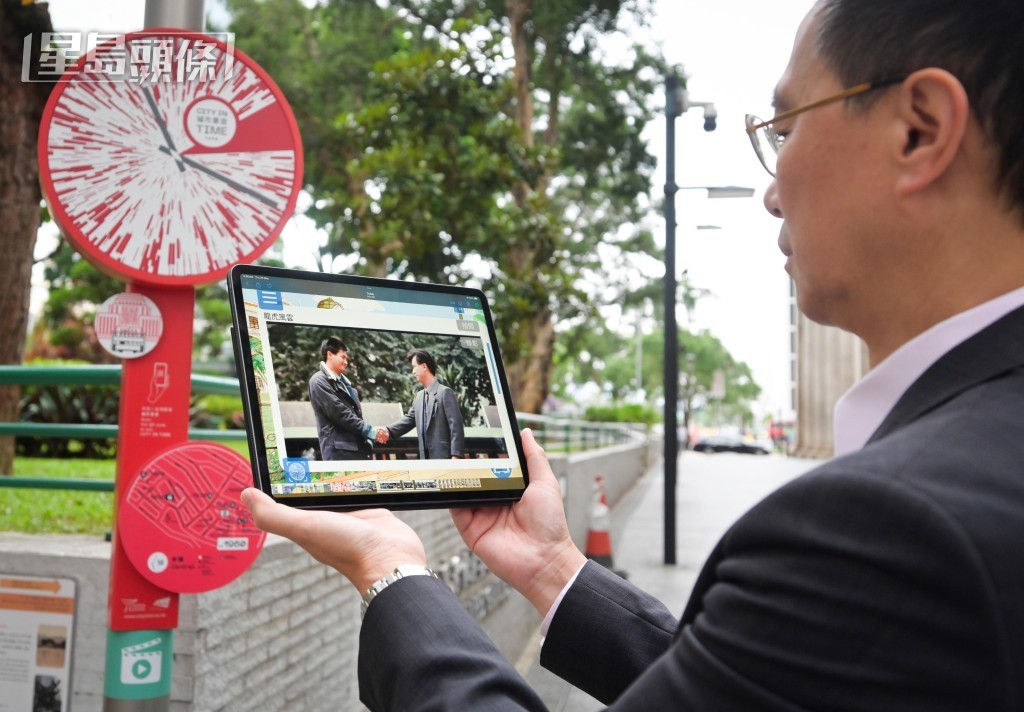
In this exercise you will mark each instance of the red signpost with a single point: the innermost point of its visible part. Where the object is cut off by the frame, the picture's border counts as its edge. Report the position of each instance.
(166, 156)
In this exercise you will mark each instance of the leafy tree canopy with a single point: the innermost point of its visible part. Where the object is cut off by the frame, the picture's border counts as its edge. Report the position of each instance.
(427, 162)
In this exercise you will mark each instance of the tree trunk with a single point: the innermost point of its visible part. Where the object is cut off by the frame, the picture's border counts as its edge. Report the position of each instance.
(529, 377)
(518, 11)
(529, 373)
(21, 108)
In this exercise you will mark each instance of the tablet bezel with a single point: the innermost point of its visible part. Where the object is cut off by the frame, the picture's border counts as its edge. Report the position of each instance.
(411, 499)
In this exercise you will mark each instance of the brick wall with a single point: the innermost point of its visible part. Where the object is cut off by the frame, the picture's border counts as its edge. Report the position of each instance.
(284, 636)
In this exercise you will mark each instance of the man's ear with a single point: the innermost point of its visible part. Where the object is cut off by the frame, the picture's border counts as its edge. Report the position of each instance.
(935, 113)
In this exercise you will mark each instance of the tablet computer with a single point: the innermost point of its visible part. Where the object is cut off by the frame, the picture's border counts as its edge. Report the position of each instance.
(363, 392)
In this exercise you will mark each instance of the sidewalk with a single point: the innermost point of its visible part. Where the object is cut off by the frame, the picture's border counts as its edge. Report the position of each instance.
(712, 492)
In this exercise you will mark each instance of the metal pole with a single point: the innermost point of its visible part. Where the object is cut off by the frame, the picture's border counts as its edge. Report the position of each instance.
(177, 14)
(671, 376)
(137, 676)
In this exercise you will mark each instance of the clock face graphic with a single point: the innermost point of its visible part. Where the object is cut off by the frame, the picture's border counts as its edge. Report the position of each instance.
(166, 157)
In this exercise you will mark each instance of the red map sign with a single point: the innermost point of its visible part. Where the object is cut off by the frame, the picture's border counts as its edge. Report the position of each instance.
(181, 522)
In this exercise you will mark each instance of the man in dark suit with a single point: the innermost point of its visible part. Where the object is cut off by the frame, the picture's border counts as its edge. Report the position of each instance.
(342, 432)
(886, 579)
(434, 413)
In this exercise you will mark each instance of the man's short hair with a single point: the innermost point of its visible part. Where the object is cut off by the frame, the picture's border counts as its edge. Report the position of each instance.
(423, 357)
(331, 345)
(981, 43)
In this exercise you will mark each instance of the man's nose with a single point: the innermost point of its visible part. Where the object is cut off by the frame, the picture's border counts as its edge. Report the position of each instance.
(771, 200)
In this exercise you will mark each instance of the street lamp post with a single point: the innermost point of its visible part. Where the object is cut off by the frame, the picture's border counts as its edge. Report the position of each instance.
(676, 104)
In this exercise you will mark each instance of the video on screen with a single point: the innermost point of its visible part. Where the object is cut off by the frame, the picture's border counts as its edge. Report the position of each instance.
(375, 391)
(400, 382)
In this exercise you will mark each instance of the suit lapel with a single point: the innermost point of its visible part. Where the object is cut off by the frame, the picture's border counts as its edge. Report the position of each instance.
(347, 394)
(993, 351)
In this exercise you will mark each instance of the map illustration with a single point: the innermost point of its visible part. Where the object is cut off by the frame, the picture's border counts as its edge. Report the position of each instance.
(181, 521)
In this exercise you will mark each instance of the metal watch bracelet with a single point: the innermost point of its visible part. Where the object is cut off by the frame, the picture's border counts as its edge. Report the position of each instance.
(401, 571)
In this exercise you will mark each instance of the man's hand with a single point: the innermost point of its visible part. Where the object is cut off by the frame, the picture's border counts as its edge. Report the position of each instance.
(527, 545)
(364, 546)
(382, 435)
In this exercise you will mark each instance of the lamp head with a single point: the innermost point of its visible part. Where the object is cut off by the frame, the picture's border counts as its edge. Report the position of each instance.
(710, 117)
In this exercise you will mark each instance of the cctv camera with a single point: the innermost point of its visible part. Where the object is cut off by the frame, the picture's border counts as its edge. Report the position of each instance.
(710, 124)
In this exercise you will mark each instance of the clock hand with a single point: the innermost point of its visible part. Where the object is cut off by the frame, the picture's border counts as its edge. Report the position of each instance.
(233, 183)
(163, 127)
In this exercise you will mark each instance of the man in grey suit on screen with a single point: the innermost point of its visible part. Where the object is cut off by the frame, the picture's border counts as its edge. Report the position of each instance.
(888, 578)
(434, 413)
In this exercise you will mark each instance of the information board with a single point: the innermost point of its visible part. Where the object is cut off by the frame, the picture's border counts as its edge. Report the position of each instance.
(36, 628)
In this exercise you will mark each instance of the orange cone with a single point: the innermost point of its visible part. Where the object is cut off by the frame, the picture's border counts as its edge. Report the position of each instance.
(599, 540)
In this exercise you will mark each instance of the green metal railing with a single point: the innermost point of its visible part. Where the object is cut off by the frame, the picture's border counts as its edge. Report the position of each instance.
(566, 435)
(559, 435)
(103, 375)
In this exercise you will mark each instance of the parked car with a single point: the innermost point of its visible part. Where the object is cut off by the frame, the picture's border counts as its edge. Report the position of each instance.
(732, 443)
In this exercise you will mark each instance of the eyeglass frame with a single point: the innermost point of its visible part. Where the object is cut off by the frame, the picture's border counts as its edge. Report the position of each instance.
(754, 124)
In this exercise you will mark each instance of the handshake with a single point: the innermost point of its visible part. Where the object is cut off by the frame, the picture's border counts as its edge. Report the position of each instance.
(382, 435)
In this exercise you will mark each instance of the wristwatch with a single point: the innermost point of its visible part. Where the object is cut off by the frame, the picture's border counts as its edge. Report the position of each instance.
(400, 572)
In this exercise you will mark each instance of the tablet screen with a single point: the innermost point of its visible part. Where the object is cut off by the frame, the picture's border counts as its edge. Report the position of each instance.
(364, 392)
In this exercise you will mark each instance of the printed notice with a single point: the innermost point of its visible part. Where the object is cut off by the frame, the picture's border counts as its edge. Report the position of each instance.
(36, 624)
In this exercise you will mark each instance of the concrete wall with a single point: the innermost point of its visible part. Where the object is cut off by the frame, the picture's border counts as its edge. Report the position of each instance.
(829, 361)
(620, 466)
(284, 636)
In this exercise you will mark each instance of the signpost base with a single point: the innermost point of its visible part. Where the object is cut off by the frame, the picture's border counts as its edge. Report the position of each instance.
(138, 671)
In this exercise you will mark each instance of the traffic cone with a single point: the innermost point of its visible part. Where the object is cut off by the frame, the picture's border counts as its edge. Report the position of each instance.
(599, 540)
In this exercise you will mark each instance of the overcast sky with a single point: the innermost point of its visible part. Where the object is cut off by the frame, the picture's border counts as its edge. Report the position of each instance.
(733, 52)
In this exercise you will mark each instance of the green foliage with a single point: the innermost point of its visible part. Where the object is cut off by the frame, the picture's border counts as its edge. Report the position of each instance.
(433, 153)
(610, 360)
(418, 168)
(593, 353)
(701, 357)
(94, 405)
(622, 413)
(77, 289)
(217, 411)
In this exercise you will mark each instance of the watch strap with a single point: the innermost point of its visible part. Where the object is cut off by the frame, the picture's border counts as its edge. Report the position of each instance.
(400, 572)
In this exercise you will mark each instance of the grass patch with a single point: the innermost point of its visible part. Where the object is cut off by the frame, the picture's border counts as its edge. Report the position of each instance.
(42, 511)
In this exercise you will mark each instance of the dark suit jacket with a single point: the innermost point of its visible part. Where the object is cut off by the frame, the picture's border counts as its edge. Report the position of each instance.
(888, 579)
(441, 434)
(339, 419)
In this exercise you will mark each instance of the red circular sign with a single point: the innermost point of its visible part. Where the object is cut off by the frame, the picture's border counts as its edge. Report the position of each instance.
(181, 522)
(166, 157)
(128, 325)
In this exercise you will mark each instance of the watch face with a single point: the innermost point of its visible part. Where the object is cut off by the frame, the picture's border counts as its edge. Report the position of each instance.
(166, 157)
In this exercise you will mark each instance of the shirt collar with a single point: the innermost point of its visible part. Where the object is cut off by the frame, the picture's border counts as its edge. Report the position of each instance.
(863, 408)
(340, 377)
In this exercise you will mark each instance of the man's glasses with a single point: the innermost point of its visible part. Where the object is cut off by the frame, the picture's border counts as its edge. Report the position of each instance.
(767, 141)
